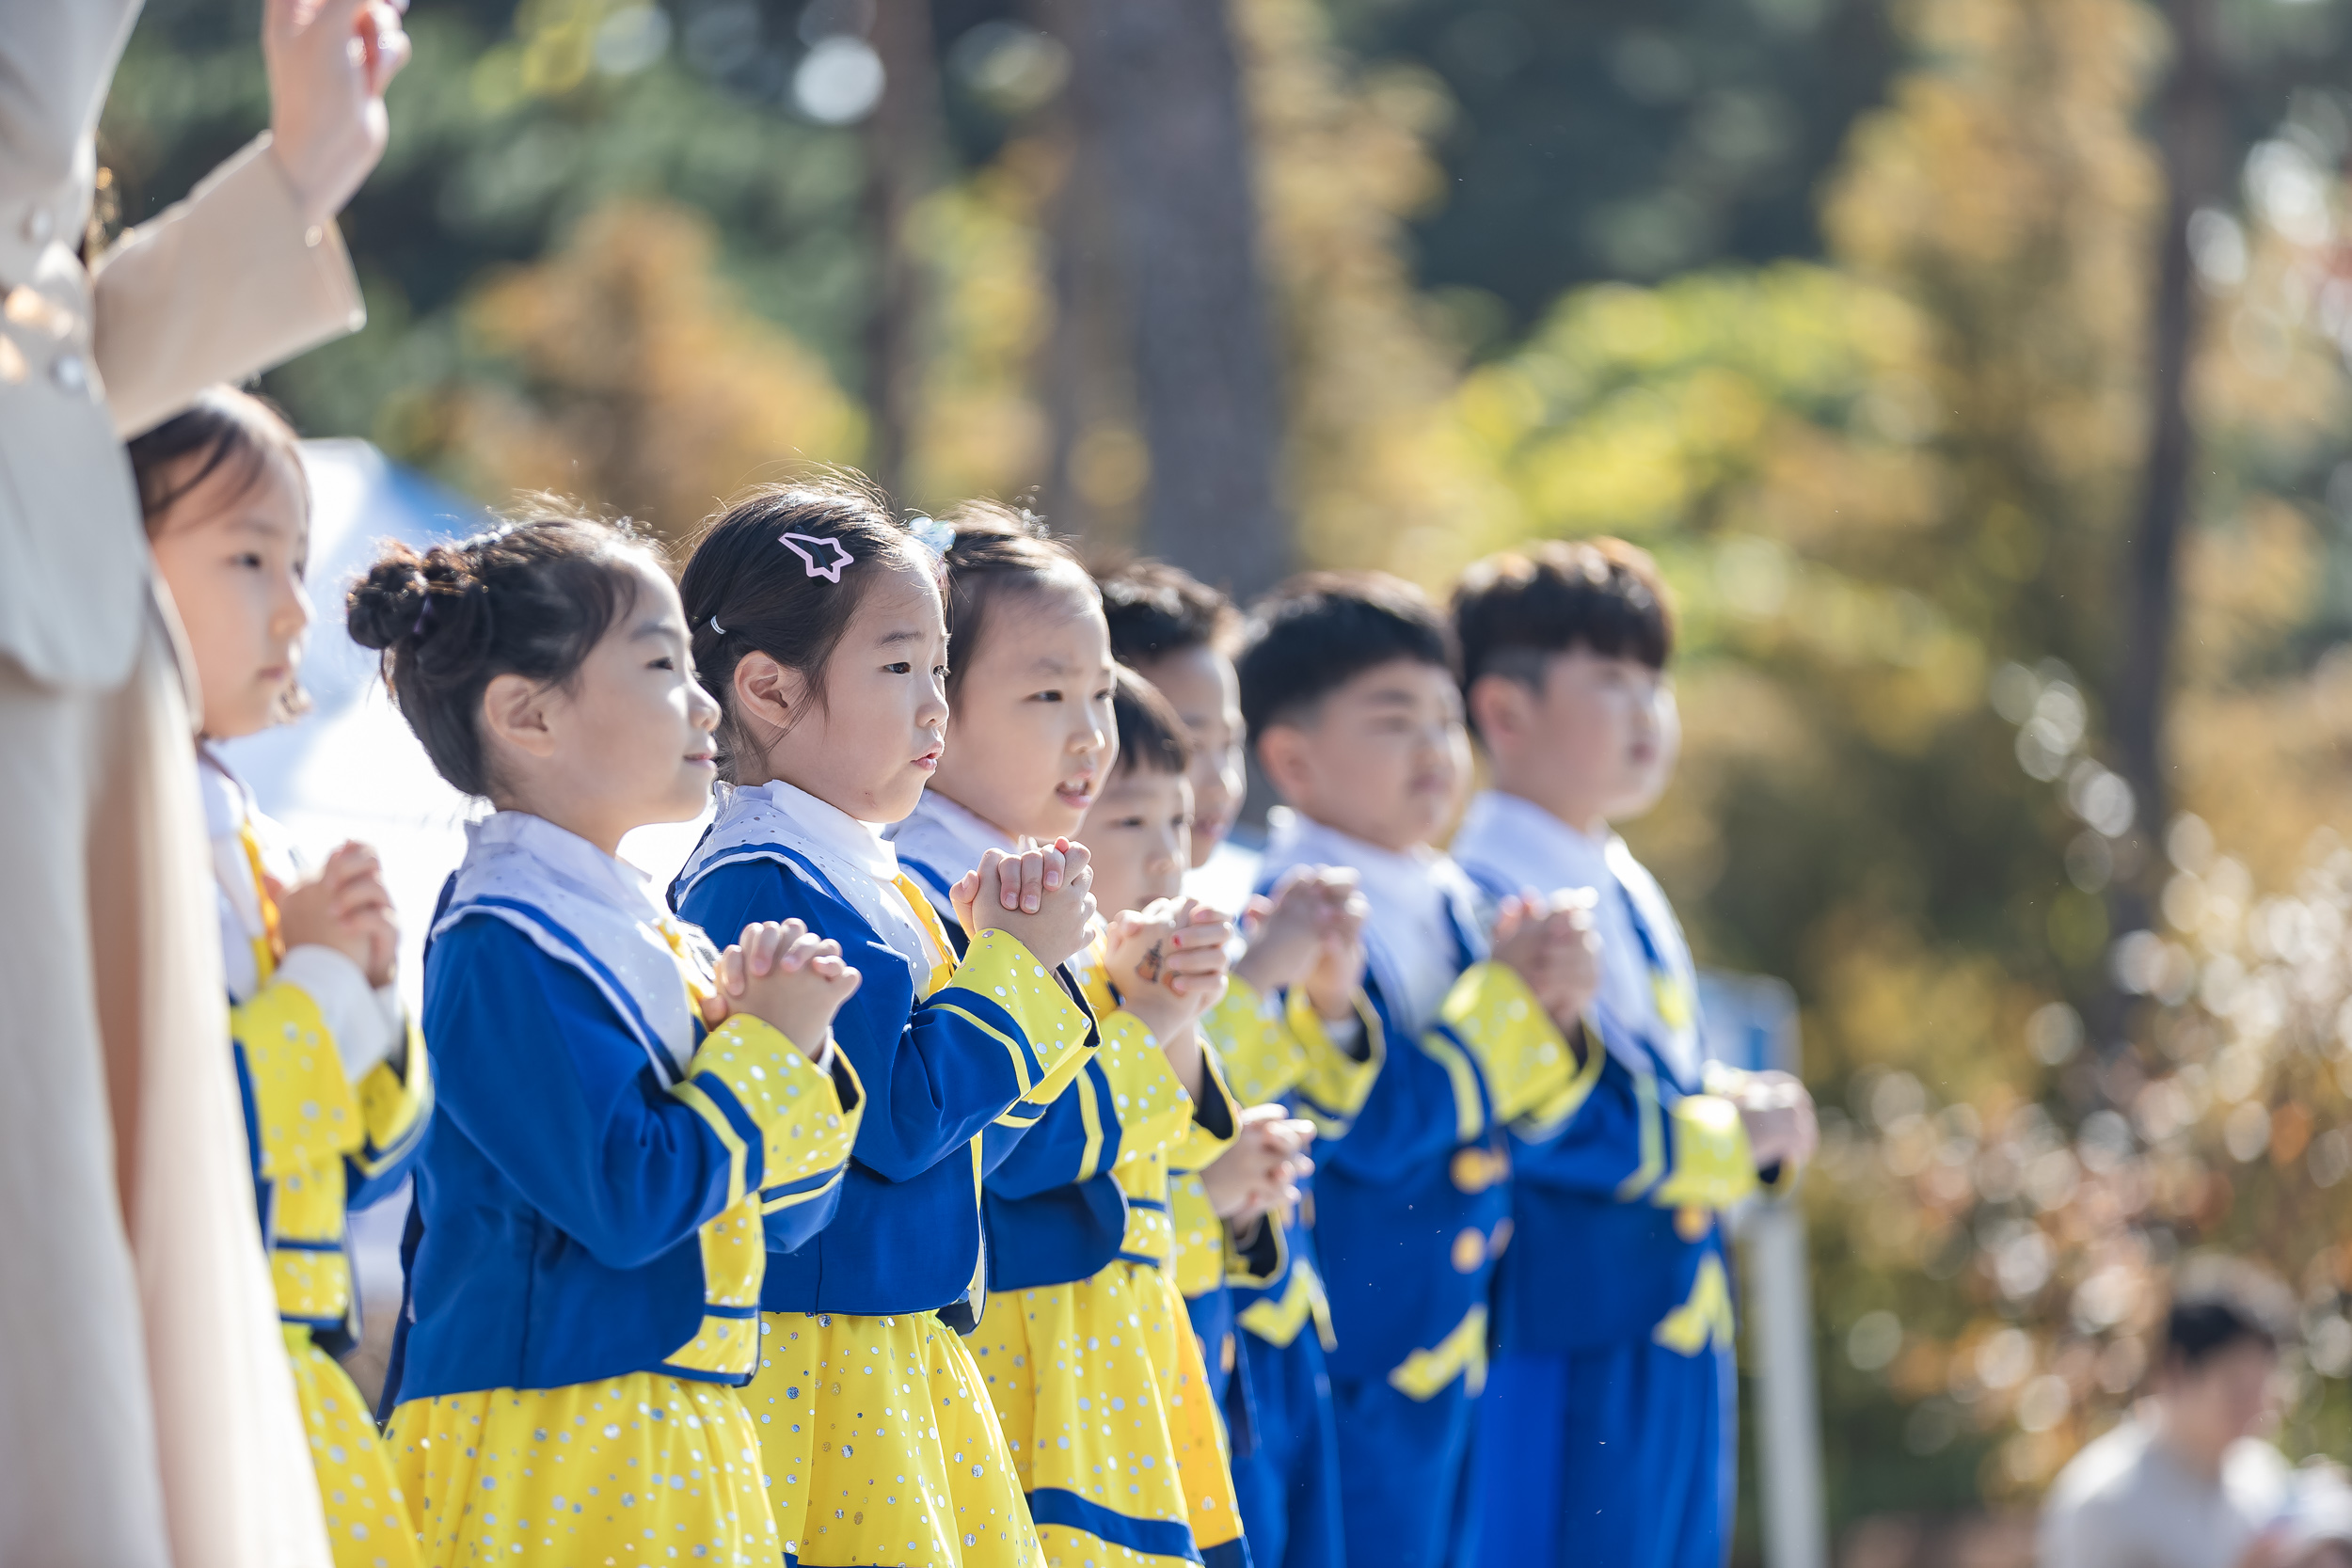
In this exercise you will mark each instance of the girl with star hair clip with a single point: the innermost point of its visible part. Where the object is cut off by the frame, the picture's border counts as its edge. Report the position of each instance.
(821, 632)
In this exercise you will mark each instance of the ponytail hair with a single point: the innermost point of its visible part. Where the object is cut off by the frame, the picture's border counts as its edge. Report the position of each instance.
(531, 597)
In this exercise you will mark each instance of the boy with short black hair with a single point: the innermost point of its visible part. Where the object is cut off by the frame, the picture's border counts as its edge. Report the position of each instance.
(1347, 687)
(2188, 1479)
(1608, 1437)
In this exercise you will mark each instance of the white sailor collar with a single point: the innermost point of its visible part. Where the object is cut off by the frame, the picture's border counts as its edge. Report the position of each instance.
(608, 878)
(860, 843)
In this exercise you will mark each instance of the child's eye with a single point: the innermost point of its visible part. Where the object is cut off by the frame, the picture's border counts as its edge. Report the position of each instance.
(664, 662)
(250, 561)
(1047, 697)
(904, 667)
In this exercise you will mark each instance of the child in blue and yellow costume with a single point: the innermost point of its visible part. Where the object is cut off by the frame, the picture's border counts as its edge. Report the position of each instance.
(626, 1116)
(819, 626)
(1347, 685)
(1100, 1381)
(1087, 1355)
(1179, 634)
(1297, 1034)
(336, 1084)
(1609, 1435)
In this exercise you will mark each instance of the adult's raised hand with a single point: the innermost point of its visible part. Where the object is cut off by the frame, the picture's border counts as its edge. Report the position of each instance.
(329, 62)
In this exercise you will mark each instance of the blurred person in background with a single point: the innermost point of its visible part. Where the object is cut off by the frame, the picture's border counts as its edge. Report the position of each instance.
(146, 1415)
(2189, 1479)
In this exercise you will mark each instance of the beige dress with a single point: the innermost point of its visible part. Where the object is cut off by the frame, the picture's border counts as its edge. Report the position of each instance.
(146, 1415)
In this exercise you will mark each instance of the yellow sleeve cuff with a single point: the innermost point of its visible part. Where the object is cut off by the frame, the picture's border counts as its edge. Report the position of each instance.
(307, 1112)
(1049, 1041)
(395, 1104)
(1151, 1106)
(1713, 1165)
(1197, 1145)
(1526, 1060)
(1334, 1083)
(775, 1095)
(1262, 1058)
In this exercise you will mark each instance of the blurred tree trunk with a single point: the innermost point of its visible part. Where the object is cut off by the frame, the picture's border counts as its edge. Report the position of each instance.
(1155, 87)
(1083, 369)
(903, 140)
(2190, 133)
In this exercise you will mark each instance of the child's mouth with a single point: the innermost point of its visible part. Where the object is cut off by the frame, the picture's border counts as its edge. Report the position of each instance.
(1077, 796)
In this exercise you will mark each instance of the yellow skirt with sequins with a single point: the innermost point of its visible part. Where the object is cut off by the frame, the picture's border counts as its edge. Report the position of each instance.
(880, 1446)
(367, 1518)
(1106, 1404)
(638, 1469)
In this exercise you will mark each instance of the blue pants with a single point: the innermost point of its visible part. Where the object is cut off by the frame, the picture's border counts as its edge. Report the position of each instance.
(1620, 1457)
(1404, 1467)
(1288, 1484)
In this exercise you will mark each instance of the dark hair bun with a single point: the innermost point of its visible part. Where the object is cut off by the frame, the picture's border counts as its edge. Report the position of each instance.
(386, 605)
(530, 597)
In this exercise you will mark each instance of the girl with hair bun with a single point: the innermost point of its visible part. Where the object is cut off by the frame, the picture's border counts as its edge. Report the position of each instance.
(626, 1114)
(336, 1090)
(819, 628)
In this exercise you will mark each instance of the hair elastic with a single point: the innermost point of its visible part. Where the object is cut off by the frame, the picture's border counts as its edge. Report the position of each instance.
(932, 535)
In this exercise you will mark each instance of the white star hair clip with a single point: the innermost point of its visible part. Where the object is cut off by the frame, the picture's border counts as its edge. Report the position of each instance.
(799, 545)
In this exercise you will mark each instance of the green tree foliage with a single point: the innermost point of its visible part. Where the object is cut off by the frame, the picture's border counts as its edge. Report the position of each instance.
(514, 124)
(1879, 485)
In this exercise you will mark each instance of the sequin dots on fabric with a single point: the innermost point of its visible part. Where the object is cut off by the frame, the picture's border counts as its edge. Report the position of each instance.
(881, 1447)
(367, 1518)
(638, 1469)
(1106, 1406)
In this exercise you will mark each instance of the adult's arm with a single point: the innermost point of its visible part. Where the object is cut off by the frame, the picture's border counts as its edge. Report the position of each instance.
(224, 284)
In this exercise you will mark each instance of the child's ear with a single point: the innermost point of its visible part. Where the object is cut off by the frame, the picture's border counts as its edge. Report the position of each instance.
(1500, 709)
(773, 693)
(1283, 753)
(515, 712)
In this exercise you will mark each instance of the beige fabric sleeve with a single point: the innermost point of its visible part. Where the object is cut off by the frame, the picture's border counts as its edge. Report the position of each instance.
(219, 287)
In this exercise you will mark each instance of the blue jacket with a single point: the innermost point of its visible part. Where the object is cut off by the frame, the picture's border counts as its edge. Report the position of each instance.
(564, 1185)
(981, 1052)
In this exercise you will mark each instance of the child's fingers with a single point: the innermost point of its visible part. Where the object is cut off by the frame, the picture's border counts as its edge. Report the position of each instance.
(1033, 882)
(1203, 962)
(729, 971)
(759, 947)
(359, 899)
(1075, 859)
(993, 874)
(797, 953)
(1213, 933)
(1051, 861)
